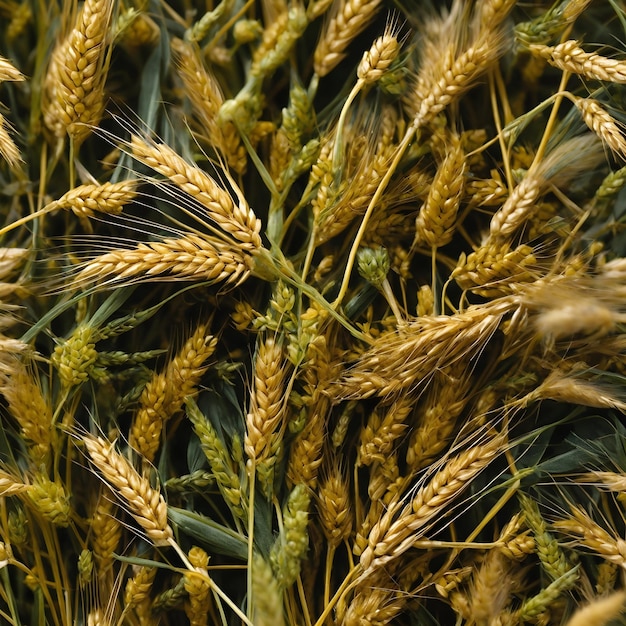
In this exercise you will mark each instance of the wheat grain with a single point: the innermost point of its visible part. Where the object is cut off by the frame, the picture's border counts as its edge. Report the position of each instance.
(570, 57)
(569, 159)
(238, 220)
(267, 604)
(145, 503)
(550, 553)
(266, 402)
(8, 149)
(73, 99)
(109, 198)
(50, 499)
(437, 415)
(385, 426)
(291, 544)
(586, 532)
(22, 390)
(197, 257)
(219, 459)
(106, 531)
(348, 19)
(494, 268)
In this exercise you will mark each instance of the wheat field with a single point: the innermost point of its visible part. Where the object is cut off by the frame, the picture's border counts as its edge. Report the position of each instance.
(312, 312)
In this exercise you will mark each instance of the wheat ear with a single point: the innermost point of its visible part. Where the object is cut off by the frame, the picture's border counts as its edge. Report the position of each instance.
(109, 198)
(238, 220)
(570, 57)
(73, 99)
(196, 257)
(145, 503)
(399, 528)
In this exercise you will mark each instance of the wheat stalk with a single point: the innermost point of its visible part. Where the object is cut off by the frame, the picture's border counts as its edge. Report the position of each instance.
(145, 503)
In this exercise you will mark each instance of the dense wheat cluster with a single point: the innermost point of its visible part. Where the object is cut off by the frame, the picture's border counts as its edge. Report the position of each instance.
(313, 312)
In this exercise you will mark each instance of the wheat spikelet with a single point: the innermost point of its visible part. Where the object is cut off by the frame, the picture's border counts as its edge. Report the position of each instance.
(437, 416)
(197, 257)
(138, 587)
(291, 544)
(73, 99)
(399, 528)
(374, 606)
(238, 220)
(570, 57)
(566, 388)
(106, 531)
(164, 395)
(457, 75)
(50, 499)
(75, 357)
(145, 504)
(219, 459)
(348, 19)
(305, 455)
(109, 198)
(600, 122)
(206, 97)
(552, 557)
(198, 588)
(545, 599)
(434, 226)
(11, 485)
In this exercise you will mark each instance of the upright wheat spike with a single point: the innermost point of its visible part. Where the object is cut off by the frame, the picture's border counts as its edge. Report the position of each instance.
(145, 503)
(348, 19)
(164, 395)
(73, 99)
